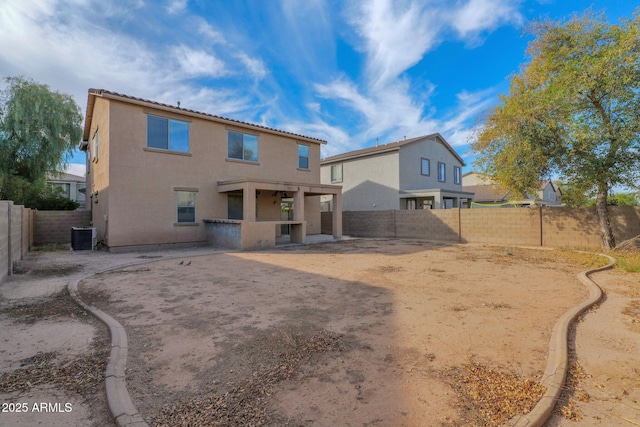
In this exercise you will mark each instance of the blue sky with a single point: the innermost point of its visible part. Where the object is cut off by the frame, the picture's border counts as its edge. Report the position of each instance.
(346, 71)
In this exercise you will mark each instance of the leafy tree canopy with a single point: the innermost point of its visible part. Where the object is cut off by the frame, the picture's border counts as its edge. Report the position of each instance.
(572, 110)
(38, 131)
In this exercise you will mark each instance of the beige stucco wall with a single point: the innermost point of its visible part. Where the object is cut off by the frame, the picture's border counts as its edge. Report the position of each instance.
(97, 196)
(141, 187)
(368, 183)
(475, 178)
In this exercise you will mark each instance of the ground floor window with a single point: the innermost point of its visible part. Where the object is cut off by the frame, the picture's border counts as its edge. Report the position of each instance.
(186, 206)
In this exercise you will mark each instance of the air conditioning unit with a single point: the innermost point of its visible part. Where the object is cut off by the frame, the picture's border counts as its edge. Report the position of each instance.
(83, 238)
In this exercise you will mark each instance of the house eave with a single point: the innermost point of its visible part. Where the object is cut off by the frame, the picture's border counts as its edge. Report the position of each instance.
(187, 112)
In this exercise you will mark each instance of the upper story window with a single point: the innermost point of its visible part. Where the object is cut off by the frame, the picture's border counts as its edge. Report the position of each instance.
(243, 146)
(457, 175)
(167, 134)
(425, 167)
(442, 172)
(94, 143)
(336, 172)
(303, 156)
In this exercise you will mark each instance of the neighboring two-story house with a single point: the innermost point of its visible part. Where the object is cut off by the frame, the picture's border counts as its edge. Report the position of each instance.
(488, 194)
(69, 185)
(417, 173)
(159, 174)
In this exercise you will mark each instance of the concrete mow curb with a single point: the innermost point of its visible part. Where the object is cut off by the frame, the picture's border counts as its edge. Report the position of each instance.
(122, 408)
(558, 362)
(127, 415)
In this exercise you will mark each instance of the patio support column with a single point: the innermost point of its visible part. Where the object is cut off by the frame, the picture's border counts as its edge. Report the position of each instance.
(298, 231)
(298, 205)
(337, 215)
(249, 202)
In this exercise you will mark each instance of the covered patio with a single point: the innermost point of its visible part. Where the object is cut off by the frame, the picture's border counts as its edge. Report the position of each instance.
(258, 224)
(434, 199)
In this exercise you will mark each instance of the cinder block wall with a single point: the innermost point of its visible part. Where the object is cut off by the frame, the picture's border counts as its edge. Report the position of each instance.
(370, 223)
(566, 227)
(55, 226)
(441, 224)
(625, 222)
(551, 227)
(508, 226)
(579, 228)
(4, 240)
(16, 233)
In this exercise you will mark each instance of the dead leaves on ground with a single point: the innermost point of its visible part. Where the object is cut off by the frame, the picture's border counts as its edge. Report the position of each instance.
(55, 306)
(82, 374)
(488, 397)
(245, 402)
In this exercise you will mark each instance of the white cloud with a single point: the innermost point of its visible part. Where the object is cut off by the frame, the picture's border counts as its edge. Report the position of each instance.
(207, 30)
(197, 62)
(390, 113)
(339, 140)
(458, 126)
(396, 35)
(314, 106)
(220, 102)
(176, 6)
(58, 43)
(482, 15)
(255, 66)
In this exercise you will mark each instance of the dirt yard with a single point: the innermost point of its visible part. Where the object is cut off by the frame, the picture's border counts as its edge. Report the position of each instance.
(357, 333)
(362, 332)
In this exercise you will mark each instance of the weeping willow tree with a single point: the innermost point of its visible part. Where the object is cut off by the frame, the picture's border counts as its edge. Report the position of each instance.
(38, 131)
(573, 110)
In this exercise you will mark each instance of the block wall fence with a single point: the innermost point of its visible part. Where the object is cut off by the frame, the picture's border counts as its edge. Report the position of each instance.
(541, 226)
(16, 237)
(55, 226)
(22, 228)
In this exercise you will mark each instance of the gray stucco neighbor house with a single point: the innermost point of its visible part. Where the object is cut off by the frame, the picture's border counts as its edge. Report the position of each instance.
(418, 173)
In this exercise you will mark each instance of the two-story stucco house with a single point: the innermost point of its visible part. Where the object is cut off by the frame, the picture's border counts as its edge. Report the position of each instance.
(488, 193)
(417, 173)
(163, 175)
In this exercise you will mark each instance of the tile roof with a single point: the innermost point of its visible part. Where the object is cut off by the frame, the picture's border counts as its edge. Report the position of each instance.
(110, 94)
(63, 176)
(487, 193)
(392, 146)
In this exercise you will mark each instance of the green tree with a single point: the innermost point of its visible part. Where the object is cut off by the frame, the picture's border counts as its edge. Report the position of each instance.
(572, 110)
(619, 199)
(574, 194)
(38, 131)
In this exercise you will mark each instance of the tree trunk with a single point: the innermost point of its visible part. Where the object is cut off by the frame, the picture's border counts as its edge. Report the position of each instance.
(608, 241)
